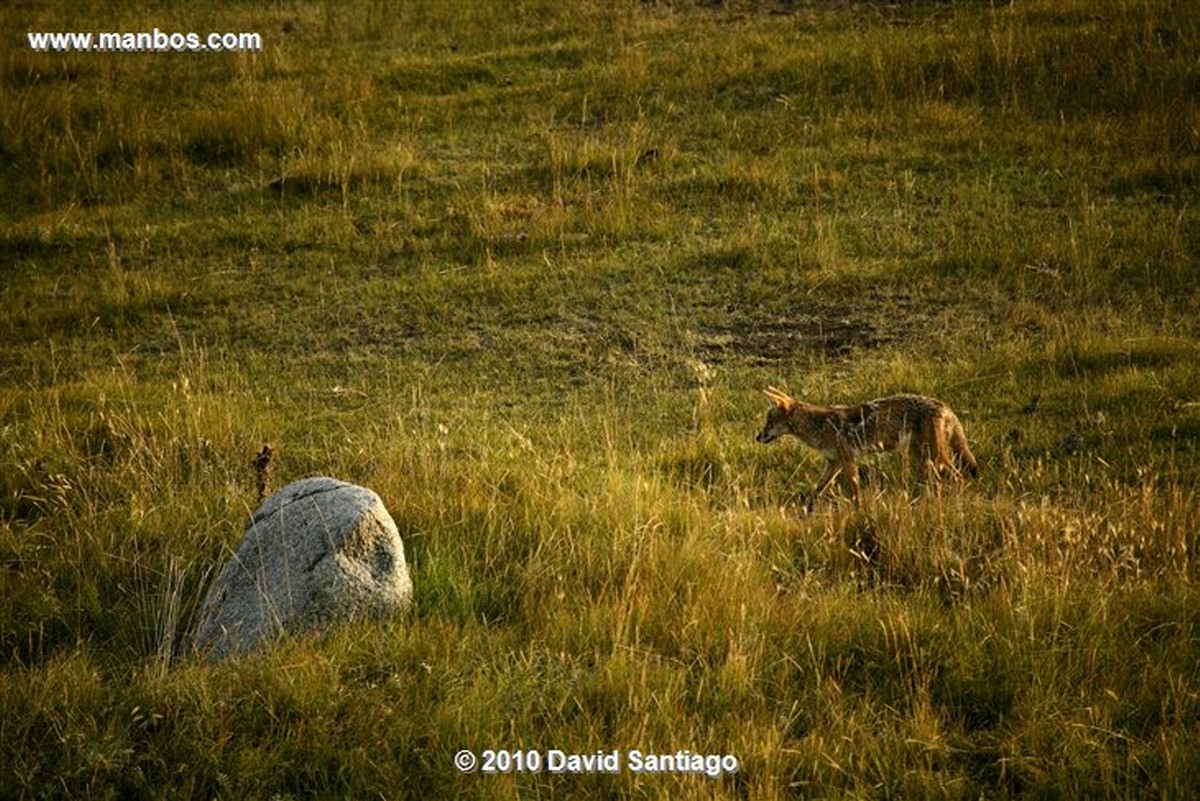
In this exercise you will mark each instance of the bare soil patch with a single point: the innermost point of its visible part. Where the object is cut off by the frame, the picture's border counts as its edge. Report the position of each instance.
(833, 330)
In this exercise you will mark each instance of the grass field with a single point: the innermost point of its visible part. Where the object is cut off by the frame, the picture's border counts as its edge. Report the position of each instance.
(523, 269)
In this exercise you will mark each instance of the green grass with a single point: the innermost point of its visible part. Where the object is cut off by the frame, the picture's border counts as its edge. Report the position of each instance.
(523, 270)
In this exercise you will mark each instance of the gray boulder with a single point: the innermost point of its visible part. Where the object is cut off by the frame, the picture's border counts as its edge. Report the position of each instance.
(317, 552)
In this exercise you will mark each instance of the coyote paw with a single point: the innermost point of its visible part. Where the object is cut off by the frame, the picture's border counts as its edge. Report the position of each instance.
(807, 501)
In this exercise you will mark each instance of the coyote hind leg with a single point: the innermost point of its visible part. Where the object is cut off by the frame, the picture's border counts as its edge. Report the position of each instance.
(930, 451)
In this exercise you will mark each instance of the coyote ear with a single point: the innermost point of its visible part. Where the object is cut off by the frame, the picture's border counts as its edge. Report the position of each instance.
(778, 397)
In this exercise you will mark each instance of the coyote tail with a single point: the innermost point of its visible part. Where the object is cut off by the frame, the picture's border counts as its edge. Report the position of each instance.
(962, 452)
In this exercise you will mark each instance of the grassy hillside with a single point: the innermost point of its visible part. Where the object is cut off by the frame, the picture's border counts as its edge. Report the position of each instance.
(524, 269)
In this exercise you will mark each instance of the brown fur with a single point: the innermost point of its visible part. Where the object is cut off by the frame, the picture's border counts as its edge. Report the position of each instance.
(927, 426)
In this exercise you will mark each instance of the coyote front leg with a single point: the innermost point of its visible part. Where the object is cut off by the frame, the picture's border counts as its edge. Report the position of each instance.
(840, 463)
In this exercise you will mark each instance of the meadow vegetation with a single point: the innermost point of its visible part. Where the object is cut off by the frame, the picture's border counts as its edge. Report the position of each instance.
(523, 269)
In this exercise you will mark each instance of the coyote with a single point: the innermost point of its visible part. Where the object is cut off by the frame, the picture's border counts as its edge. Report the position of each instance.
(926, 426)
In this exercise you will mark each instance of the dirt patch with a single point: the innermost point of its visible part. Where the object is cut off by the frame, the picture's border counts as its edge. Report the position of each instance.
(832, 332)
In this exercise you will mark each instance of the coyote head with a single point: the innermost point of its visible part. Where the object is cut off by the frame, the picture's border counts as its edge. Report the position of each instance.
(777, 415)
